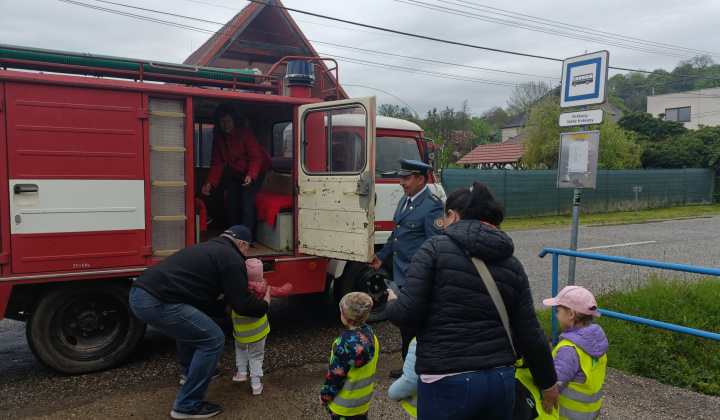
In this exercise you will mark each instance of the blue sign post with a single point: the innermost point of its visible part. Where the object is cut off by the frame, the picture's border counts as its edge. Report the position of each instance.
(584, 79)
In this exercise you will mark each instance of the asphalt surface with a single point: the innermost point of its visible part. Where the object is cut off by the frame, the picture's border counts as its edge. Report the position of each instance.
(303, 328)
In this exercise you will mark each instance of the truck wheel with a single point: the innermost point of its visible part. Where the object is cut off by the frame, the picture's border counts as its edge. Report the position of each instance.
(358, 277)
(83, 327)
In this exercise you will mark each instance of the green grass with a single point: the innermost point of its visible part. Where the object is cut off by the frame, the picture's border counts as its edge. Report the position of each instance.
(673, 358)
(623, 217)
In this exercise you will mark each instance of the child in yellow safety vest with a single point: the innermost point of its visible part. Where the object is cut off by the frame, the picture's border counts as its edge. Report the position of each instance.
(405, 389)
(351, 376)
(250, 333)
(580, 356)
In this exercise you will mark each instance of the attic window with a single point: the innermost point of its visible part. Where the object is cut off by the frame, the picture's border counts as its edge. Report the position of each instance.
(678, 114)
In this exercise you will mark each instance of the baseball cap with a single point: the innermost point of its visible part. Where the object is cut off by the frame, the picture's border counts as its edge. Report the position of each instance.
(239, 232)
(577, 298)
(356, 306)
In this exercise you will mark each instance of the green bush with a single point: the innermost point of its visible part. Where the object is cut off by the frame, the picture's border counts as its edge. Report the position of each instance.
(676, 359)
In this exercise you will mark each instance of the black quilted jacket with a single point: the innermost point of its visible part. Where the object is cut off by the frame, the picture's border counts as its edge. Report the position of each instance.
(460, 329)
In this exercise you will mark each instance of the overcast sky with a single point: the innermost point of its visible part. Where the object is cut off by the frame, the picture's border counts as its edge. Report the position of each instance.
(399, 70)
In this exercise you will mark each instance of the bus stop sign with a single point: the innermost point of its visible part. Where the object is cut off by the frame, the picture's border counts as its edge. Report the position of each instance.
(584, 80)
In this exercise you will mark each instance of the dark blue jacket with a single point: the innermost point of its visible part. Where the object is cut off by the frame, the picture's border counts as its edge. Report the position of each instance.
(421, 221)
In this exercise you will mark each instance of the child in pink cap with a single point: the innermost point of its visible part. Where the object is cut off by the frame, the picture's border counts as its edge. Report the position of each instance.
(580, 356)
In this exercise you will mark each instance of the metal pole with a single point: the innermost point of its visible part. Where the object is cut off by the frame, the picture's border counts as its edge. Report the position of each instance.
(554, 293)
(575, 223)
(636, 202)
(574, 235)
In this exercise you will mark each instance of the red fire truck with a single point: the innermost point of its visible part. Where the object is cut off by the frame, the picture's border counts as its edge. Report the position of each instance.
(103, 176)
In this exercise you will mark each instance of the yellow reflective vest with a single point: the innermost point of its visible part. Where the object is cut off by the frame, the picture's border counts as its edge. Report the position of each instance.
(354, 396)
(249, 330)
(522, 373)
(410, 405)
(582, 401)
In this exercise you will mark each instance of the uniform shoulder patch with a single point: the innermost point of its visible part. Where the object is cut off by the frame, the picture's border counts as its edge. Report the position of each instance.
(439, 223)
(434, 197)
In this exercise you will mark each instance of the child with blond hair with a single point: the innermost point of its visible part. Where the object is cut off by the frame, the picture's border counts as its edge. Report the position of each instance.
(349, 381)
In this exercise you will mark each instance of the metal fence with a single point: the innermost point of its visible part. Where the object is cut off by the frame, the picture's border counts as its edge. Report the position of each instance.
(531, 193)
(625, 317)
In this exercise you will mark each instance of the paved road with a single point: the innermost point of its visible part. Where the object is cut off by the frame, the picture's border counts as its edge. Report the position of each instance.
(690, 242)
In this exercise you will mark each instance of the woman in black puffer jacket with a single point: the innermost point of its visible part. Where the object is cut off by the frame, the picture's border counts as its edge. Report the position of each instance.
(464, 357)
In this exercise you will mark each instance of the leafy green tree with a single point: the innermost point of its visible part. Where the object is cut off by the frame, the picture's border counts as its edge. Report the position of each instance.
(542, 135)
(686, 150)
(650, 128)
(496, 117)
(618, 148)
(480, 130)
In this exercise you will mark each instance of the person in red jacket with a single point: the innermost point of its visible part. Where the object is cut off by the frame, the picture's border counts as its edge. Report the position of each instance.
(236, 148)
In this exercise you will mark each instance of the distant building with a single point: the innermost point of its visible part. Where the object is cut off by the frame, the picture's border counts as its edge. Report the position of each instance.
(495, 156)
(690, 108)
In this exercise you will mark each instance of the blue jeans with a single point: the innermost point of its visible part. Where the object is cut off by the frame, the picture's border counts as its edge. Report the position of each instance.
(485, 394)
(199, 340)
(241, 201)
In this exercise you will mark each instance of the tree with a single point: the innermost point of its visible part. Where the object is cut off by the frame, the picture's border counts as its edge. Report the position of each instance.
(618, 148)
(542, 135)
(650, 128)
(387, 110)
(682, 151)
(481, 132)
(496, 117)
(524, 95)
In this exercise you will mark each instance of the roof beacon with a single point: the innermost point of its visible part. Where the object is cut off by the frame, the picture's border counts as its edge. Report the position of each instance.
(300, 78)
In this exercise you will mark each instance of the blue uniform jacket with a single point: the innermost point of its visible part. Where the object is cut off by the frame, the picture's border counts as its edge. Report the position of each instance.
(421, 221)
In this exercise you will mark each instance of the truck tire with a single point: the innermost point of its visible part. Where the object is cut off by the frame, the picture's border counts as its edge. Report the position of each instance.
(358, 277)
(84, 327)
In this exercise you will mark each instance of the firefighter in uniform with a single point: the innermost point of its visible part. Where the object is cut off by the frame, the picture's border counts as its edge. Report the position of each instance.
(419, 216)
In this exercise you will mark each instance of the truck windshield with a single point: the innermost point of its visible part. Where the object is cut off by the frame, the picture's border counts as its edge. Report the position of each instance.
(389, 149)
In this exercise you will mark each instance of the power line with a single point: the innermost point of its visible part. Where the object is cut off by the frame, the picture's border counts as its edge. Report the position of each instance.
(388, 93)
(356, 61)
(565, 34)
(556, 24)
(443, 40)
(431, 61)
(330, 18)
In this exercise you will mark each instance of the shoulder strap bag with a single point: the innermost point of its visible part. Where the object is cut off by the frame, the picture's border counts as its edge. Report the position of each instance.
(495, 295)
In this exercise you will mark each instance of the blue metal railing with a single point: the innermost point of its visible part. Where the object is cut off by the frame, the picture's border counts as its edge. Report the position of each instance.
(631, 261)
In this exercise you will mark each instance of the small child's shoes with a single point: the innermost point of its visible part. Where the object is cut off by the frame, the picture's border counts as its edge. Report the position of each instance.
(239, 377)
(257, 389)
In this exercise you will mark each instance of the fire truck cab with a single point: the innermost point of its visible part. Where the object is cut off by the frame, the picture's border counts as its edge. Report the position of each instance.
(103, 180)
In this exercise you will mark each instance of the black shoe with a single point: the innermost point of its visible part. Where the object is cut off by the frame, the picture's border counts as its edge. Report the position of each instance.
(202, 411)
(396, 373)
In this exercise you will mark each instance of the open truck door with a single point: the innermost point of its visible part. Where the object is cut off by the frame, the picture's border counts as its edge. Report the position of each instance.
(336, 180)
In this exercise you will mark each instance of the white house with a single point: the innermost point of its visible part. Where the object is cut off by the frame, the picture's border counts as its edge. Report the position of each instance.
(690, 108)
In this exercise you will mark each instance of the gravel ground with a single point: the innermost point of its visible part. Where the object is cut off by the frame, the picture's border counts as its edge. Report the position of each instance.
(303, 328)
(295, 366)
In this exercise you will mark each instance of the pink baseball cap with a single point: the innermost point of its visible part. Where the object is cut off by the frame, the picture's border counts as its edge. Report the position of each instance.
(254, 269)
(577, 298)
